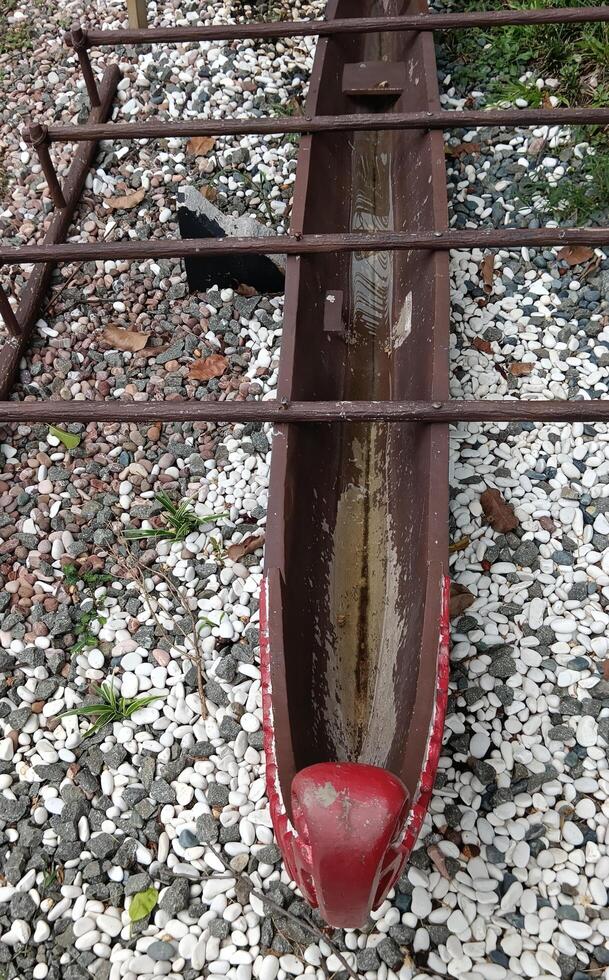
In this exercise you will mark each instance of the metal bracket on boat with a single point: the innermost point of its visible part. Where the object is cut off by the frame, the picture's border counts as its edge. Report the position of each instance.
(371, 79)
(334, 322)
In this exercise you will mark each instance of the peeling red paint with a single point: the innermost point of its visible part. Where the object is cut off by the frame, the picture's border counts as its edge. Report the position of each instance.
(326, 797)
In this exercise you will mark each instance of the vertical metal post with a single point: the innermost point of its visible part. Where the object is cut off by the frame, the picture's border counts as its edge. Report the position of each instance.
(8, 314)
(38, 136)
(138, 13)
(78, 40)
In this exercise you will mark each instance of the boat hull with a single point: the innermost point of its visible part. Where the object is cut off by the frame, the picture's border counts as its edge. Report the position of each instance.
(355, 599)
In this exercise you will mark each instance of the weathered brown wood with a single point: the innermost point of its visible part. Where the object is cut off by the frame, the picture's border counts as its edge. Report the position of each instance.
(137, 11)
(445, 120)
(482, 238)
(38, 136)
(28, 309)
(8, 314)
(481, 410)
(354, 25)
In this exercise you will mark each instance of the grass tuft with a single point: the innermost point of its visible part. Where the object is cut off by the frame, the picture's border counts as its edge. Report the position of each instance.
(181, 519)
(111, 707)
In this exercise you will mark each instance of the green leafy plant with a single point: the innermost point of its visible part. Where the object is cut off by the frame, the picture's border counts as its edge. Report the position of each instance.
(581, 195)
(73, 575)
(181, 518)
(69, 439)
(111, 707)
(86, 637)
(142, 904)
(86, 580)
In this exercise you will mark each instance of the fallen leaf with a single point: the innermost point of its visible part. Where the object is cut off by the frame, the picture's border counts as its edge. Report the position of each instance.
(460, 599)
(127, 201)
(519, 369)
(484, 345)
(205, 368)
(487, 271)
(247, 291)
(499, 514)
(459, 545)
(547, 524)
(142, 904)
(245, 547)
(575, 254)
(209, 193)
(199, 146)
(69, 439)
(438, 858)
(462, 149)
(606, 670)
(129, 340)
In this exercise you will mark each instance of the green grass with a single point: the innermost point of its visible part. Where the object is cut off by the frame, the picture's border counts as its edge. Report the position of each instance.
(13, 37)
(86, 581)
(577, 56)
(111, 707)
(181, 521)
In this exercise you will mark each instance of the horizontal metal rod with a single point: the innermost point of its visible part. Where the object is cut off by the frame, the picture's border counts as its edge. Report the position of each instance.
(457, 119)
(275, 411)
(351, 25)
(509, 238)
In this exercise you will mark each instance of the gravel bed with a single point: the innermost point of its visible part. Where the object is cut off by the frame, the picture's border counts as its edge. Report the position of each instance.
(138, 851)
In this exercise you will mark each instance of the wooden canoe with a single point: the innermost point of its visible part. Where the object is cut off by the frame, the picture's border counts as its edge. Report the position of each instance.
(354, 637)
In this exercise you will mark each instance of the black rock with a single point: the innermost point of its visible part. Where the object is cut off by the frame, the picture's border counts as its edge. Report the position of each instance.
(390, 953)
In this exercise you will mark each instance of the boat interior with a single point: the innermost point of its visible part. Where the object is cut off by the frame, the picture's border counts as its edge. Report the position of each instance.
(360, 509)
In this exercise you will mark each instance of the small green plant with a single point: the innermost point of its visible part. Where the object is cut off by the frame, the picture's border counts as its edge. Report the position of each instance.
(142, 904)
(111, 707)
(86, 580)
(581, 195)
(181, 518)
(86, 637)
(73, 575)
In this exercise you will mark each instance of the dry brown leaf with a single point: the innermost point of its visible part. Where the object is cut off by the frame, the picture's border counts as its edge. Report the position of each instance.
(130, 340)
(205, 368)
(248, 291)
(487, 271)
(460, 599)
(462, 149)
(127, 201)
(547, 524)
(606, 670)
(519, 369)
(438, 858)
(199, 146)
(245, 547)
(459, 545)
(484, 345)
(575, 254)
(499, 514)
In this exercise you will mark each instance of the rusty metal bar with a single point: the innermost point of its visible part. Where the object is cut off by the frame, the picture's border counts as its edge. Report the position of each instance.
(277, 412)
(509, 238)
(8, 314)
(38, 136)
(456, 119)
(31, 298)
(352, 25)
(78, 41)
